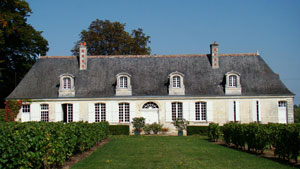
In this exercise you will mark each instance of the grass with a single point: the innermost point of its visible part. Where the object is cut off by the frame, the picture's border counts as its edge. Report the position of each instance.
(169, 152)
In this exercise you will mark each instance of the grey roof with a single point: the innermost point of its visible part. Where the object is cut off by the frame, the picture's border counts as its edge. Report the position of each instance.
(149, 76)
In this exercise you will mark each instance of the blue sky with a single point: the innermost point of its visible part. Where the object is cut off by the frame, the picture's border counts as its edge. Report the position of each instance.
(186, 27)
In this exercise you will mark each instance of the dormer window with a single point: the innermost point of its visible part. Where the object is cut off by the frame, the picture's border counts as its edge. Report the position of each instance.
(123, 87)
(66, 87)
(176, 86)
(233, 84)
(233, 81)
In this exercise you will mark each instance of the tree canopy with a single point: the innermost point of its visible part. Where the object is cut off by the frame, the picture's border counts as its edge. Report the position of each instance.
(110, 38)
(20, 44)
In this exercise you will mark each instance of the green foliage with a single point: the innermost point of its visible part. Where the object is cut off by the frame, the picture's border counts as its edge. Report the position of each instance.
(118, 129)
(297, 114)
(214, 132)
(46, 145)
(197, 130)
(155, 127)
(20, 44)
(110, 38)
(138, 123)
(180, 124)
(12, 108)
(2, 115)
(147, 129)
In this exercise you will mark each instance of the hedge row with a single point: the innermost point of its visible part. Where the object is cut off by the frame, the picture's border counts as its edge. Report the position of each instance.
(46, 145)
(285, 138)
(119, 129)
(199, 130)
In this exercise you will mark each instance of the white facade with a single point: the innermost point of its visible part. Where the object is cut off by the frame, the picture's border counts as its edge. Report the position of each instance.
(244, 109)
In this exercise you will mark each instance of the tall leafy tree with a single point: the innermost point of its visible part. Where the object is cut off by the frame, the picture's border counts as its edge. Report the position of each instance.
(20, 44)
(110, 38)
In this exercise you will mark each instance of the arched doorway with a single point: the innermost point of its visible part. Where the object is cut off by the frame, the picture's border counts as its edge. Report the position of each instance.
(150, 112)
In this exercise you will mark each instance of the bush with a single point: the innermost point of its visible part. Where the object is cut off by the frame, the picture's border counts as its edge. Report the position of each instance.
(138, 123)
(118, 129)
(214, 132)
(200, 130)
(180, 124)
(147, 129)
(2, 115)
(46, 145)
(156, 127)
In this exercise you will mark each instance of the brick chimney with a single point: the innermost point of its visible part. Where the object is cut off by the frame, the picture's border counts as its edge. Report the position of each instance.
(82, 56)
(214, 52)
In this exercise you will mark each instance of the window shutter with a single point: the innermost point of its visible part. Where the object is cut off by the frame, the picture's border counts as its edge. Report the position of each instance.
(108, 112)
(91, 111)
(209, 111)
(259, 117)
(115, 112)
(185, 110)
(230, 111)
(238, 116)
(168, 111)
(58, 112)
(132, 111)
(76, 112)
(192, 111)
(35, 112)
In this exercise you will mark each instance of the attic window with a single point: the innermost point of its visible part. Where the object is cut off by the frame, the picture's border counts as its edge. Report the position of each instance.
(176, 86)
(123, 82)
(123, 87)
(66, 87)
(233, 81)
(176, 81)
(67, 83)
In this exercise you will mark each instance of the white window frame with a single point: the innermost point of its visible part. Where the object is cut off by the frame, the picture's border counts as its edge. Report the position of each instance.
(70, 113)
(66, 83)
(233, 80)
(150, 105)
(66, 87)
(124, 112)
(201, 111)
(26, 108)
(176, 81)
(282, 104)
(44, 112)
(177, 110)
(100, 112)
(124, 82)
(123, 87)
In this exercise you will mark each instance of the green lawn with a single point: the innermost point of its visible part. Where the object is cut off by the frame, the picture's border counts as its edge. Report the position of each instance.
(171, 152)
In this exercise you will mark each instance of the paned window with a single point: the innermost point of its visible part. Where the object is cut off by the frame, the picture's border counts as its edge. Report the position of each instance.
(282, 104)
(70, 112)
(176, 110)
(26, 108)
(150, 105)
(233, 81)
(176, 81)
(200, 111)
(45, 112)
(123, 82)
(100, 112)
(124, 112)
(67, 83)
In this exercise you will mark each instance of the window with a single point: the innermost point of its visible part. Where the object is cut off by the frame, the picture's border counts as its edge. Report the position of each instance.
(200, 111)
(176, 81)
(233, 81)
(282, 104)
(150, 105)
(26, 108)
(124, 112)
(100, 113)
(123, 82)
(45, 112)
(67, 83)
(70, 112)
(176, 110)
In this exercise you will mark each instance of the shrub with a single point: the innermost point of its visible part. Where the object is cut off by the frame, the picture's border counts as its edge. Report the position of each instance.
(180, 124)
(138, 123)
(2, 115)
(156, 127)
(200, 130)
(214, 132)
(118, 129)
(147, 129)
(12, 108)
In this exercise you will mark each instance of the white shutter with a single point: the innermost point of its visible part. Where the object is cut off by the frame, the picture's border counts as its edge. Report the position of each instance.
(76, 112)
(115, 112)
(209, 111)
(238, 115)
(58, 112)
(168, 111)
(108, 111)
(254, 115)
(35, 112)
(230, 111)
(281, 114)
(185, 110)
(192, 112)
(132, 110)
(91, 111)
(259, 111)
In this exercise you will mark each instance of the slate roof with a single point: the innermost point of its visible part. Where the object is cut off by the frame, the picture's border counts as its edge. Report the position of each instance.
(149, 76)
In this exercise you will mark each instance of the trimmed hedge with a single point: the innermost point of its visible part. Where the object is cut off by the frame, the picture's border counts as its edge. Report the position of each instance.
(119, 129)
(46, 145)
(214, 132)
(199, 130)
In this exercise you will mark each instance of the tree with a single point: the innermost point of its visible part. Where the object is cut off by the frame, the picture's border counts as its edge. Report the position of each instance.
(20, 44)
(297, 113)
(110, 38)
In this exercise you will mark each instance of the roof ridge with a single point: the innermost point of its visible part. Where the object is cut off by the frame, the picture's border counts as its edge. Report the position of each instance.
(147, 56)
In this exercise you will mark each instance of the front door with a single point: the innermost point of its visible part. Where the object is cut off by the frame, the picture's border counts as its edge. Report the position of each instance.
(150, 112)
